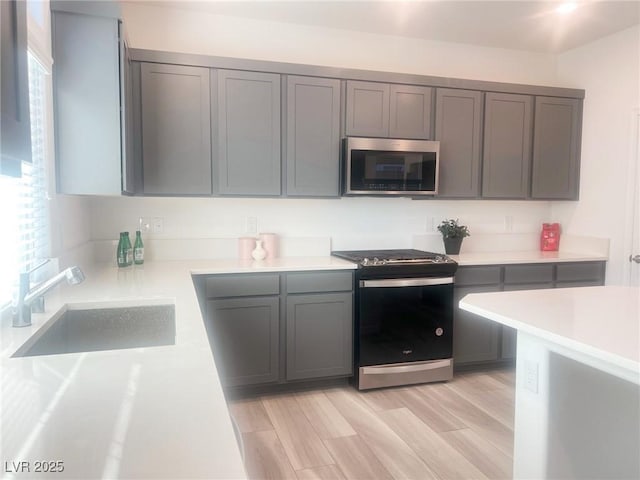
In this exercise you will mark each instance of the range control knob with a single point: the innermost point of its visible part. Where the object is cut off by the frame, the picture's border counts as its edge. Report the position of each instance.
(439, 332)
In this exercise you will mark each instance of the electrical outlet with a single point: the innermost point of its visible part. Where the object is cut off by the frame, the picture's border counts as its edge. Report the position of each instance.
(508, 223)
(251, 225)
(157, 225)
(145, 224)
(531, 376)
(431, 224)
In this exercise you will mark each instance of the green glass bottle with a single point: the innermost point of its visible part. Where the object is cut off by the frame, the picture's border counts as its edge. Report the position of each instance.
(121, 253)
(138, 249)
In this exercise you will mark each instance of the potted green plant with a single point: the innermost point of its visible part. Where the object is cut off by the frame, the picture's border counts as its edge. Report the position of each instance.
(452, 235)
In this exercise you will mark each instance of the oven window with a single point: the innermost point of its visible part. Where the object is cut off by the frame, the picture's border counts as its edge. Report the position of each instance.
(393, 171)
(405, 324)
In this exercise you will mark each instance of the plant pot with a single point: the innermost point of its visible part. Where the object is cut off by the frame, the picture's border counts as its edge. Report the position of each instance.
(452, 245)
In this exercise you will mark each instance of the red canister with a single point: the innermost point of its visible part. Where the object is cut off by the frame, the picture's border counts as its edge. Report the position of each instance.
(550, 237)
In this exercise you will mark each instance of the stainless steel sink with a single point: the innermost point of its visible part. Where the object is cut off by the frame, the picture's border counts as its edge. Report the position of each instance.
(90, 330)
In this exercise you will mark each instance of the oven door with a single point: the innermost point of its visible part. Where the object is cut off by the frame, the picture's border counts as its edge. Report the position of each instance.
(405, 320)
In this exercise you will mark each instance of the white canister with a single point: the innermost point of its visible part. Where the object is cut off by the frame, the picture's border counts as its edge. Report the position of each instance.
(246, 245)
(270, 243)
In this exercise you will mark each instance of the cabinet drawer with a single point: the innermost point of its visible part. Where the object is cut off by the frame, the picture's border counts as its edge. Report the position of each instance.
(528, 273)
(319, 282)
(242, 285)
(478, 275)
(568, 272)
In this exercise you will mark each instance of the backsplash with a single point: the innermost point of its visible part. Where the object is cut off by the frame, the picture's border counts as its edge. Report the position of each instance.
(314, 225)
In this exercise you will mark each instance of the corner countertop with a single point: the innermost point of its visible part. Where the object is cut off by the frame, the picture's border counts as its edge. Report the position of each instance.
(154, 412)
(601, 323)
(505, 258)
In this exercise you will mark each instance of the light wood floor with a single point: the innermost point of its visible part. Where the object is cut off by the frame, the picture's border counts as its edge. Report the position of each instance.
(462, 429)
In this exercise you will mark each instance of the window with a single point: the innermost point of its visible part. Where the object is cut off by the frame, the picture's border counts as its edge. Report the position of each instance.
(24, 214)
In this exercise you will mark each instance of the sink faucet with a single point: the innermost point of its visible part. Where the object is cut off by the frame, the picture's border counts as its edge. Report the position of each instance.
(26, 298)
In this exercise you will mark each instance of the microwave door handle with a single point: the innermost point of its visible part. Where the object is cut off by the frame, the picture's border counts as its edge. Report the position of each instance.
(406, 282)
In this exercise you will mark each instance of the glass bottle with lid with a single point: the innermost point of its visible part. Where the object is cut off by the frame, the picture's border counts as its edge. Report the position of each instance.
(124, 254)
(138, 249)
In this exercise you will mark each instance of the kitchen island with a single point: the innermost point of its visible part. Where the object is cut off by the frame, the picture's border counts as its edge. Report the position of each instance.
(577, 379)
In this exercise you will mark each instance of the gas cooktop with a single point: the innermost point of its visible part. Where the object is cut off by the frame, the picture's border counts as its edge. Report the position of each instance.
(398, 263)
(390, 257)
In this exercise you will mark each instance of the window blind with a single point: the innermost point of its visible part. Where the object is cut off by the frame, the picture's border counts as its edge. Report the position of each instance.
(24, 213)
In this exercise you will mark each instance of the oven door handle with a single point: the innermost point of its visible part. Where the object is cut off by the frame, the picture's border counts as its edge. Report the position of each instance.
(406, 282)
(406, 368)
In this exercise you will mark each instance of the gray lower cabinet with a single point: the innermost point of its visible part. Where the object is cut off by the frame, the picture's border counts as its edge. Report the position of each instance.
(244, 336)
(276, 328)
(458, 127)
(507, 145)
(15, 130)
(475, 339)
(312, 137)
(88, 103)
(367, 111)
(556, 148)
(175, 129)
(248, 133)
(319, 335)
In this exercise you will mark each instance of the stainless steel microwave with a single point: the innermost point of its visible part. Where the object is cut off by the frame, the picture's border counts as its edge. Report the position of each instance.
(389, 166)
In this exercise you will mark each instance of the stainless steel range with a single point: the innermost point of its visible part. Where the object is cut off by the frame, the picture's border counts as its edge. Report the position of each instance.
(404, 317)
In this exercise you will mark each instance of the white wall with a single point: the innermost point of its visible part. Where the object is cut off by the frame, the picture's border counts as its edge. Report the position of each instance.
(350, 222)
(608, 70)
(176, 30)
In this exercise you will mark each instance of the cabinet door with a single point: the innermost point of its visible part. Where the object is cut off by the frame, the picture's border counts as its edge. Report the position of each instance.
(176, 129)
(410, 112)
(87, 101)
(313, 137)
(367, 109)
(244, 338)
(507, 145)
(556, 148)
(249, 133)
(580, 274)
(475, 339)
(458, 127)
(15, 131)
(319, 335)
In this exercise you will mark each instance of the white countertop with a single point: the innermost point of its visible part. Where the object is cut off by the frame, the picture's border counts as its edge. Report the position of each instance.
(503, 258)
(156, 412)
(602, 323)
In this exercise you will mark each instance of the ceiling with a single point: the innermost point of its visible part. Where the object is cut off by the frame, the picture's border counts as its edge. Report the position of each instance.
(524, 25)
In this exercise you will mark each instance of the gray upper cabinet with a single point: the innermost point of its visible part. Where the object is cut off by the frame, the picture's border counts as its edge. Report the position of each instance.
(367, 112)
(556, 148)
(319, 335)
(248, 129)
(312, 137)
(384, 110)
(410, 112)
(87, 103)
(458, 128)
(15, 131)
(507, 145)
(176, 129)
